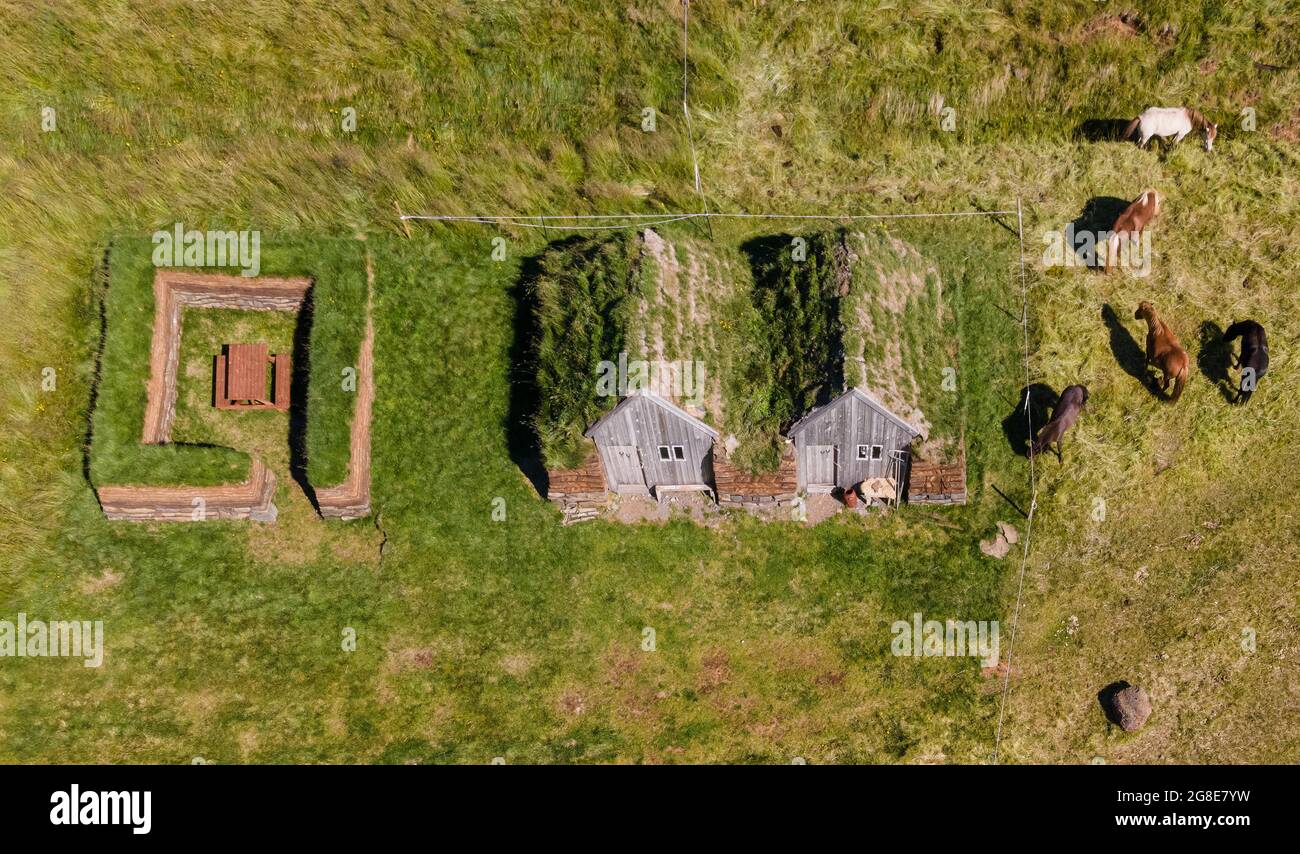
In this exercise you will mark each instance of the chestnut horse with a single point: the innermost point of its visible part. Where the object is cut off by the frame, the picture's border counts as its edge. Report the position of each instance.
(1064, 415)
(1136, 217)
(1177, 122)
(1163, 350)
(1253, 360)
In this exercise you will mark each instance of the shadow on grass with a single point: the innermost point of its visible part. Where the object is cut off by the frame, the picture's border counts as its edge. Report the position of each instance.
(1126, 350)
(1098, 217)
(522, 441)
(1215, 358)
(1106, 697)
(1101, 130)
(1033, 407)
(99, 298)
(298, 397)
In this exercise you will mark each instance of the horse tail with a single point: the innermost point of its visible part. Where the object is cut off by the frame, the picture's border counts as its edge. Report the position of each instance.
(1132, 126)
(1179, 382)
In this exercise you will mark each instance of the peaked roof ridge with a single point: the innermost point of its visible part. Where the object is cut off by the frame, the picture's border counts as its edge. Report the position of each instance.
(863, 394)
(662, 402)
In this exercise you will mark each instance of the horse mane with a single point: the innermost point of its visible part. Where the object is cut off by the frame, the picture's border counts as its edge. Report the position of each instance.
(1198, 121)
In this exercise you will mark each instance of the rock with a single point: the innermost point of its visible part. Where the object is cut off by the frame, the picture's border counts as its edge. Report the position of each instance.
(1000, 544)
(1133, 707)
(996, 547)
(1126, 705)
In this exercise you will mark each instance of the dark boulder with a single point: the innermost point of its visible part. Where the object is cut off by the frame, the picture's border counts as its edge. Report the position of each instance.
(1127, 706)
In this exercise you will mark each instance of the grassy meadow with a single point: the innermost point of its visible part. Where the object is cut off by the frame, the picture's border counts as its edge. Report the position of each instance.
(1166, 537)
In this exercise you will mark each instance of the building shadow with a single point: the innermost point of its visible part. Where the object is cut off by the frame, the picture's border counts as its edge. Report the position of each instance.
(1215, 359)
(1101, 130)
(522, 441)
(1127, 352)
(1097, 217)
(298, 386)
(1106, 698)
(99, 298)
(1033, 410)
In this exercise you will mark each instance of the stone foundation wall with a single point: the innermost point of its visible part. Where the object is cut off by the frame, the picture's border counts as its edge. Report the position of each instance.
(584, 485)
(736, 487)
(937, 483)
(248, 500)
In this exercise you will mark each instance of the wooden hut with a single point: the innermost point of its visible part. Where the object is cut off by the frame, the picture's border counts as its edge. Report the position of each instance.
(853, 440)
(648, 445)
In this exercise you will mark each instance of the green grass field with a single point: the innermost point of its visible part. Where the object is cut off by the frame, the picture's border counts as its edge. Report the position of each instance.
(518, 638)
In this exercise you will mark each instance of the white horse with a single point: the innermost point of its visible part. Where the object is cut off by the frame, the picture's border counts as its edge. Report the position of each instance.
(1177, 122)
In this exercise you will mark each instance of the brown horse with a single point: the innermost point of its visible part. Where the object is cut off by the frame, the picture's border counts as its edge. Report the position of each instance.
(1136, 217)
(1164, 350)
(1064, 415)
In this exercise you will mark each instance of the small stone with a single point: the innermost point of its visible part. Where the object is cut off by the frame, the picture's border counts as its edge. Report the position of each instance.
(996, 547)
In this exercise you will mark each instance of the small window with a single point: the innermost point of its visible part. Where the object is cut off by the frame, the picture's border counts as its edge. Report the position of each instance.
(877, 451)
(862, 451)
(679, 453)
(664, 453)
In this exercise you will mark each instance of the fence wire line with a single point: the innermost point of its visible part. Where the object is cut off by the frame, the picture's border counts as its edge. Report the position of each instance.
(1033, 487)
(549, 221)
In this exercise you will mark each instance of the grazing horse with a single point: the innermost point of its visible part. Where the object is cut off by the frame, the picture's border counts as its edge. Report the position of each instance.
(1163, 350)
(1064, 415)
(1136, 217)
(1254, 355)
(1177, 122)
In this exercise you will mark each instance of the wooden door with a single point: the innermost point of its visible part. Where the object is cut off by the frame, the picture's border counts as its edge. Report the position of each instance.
(623, 467)
(819, 465)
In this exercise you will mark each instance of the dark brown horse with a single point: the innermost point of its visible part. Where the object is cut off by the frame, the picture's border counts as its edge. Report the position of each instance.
(1253, 360)
(1130, 224)
(1064, 415)
(1164, 350)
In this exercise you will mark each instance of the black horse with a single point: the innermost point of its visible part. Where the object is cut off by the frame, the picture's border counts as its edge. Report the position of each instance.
(1253, 360)
(1063, 417)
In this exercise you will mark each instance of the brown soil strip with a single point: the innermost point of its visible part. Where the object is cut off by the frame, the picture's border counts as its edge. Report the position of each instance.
(351, 499)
